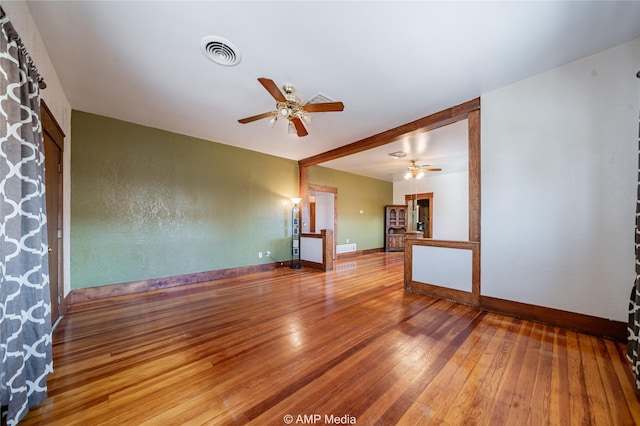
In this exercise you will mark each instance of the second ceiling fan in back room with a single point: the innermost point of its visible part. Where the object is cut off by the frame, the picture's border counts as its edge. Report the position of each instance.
(289, 107)
(416, 172)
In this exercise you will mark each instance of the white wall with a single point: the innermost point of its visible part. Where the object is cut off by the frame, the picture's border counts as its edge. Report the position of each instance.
(559, 174)
(450, 202)
(56, 100)
(311, 249)
(324, 210)
(443, 266)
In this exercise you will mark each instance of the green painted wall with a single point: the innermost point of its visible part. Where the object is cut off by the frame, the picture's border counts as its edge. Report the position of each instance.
(147, 203)
(357, 193)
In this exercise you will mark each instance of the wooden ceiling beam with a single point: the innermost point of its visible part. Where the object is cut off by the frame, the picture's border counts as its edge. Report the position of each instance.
(421, 125)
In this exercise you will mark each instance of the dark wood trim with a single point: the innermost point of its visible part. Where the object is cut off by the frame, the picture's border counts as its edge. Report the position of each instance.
(616, 330)
(424, 124)
(51, 126)
(52, 129)
(121, 289)
(322, 188)
(328, 249)
(326, 235)
(113, 290)
(434, 290)
(421, 196)
(474, 175)
(312, 215)
(439, 292)
(312, 265)
(303, 190)
(359, 253)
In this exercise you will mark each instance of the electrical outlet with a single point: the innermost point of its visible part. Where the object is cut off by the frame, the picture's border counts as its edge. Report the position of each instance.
(259, 255)
(268, 253)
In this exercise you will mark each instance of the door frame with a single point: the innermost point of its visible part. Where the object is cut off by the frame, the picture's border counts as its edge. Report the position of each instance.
(423, 196)
(52, 129)
(312, 187)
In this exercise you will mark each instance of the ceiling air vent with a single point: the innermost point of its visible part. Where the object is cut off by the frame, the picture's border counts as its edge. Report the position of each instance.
(398, 154)
(220, 51)
(319, 99)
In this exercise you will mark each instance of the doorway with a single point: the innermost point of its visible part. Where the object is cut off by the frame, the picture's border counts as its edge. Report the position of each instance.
(53, 147)
(425, 211)
(323, 210)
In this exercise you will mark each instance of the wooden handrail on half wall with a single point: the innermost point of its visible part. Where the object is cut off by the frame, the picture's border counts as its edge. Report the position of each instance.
(316, 250)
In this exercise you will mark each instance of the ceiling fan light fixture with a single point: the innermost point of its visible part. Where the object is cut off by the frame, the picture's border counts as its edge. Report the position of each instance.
(306, 118)
(272, 121)
(415, 171)
(291, 129)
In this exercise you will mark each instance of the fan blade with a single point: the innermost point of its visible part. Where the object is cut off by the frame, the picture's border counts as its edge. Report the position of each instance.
(299, 127)
(324, 107)
(273, 89)
(256, 117)
(432, 169)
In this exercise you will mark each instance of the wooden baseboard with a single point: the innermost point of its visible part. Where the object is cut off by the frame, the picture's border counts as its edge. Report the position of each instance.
(601, 327)
(113, 290)
(615, 330)
(358, 253)
(440, 292)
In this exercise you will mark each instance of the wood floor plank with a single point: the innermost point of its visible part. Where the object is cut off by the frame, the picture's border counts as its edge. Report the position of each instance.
(613, 393)
(596, 389)
(559, 397)
(256, 348)
(541, 394)
(625, 379)
(447, 389)
(580, 408)
(462, 405)
(522, 391)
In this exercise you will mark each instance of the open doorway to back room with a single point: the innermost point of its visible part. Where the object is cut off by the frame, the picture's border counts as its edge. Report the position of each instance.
(323, 209)
(424, 202)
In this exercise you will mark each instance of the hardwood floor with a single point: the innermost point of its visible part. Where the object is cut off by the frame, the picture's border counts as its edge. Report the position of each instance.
(348, 343)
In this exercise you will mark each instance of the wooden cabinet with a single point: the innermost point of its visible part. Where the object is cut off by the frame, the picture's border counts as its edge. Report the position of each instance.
(395, 227)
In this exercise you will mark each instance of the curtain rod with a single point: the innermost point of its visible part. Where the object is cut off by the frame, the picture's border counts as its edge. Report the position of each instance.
(12, 35)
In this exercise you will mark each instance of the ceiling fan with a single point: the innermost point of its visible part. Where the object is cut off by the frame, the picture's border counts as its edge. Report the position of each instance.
(416, 172)
(289, 106)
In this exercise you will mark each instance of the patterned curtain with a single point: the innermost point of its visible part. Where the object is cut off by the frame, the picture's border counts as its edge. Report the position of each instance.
(25, 309)
(633, 330)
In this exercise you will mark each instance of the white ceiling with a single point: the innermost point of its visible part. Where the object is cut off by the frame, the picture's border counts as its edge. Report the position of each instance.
(390, 62)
